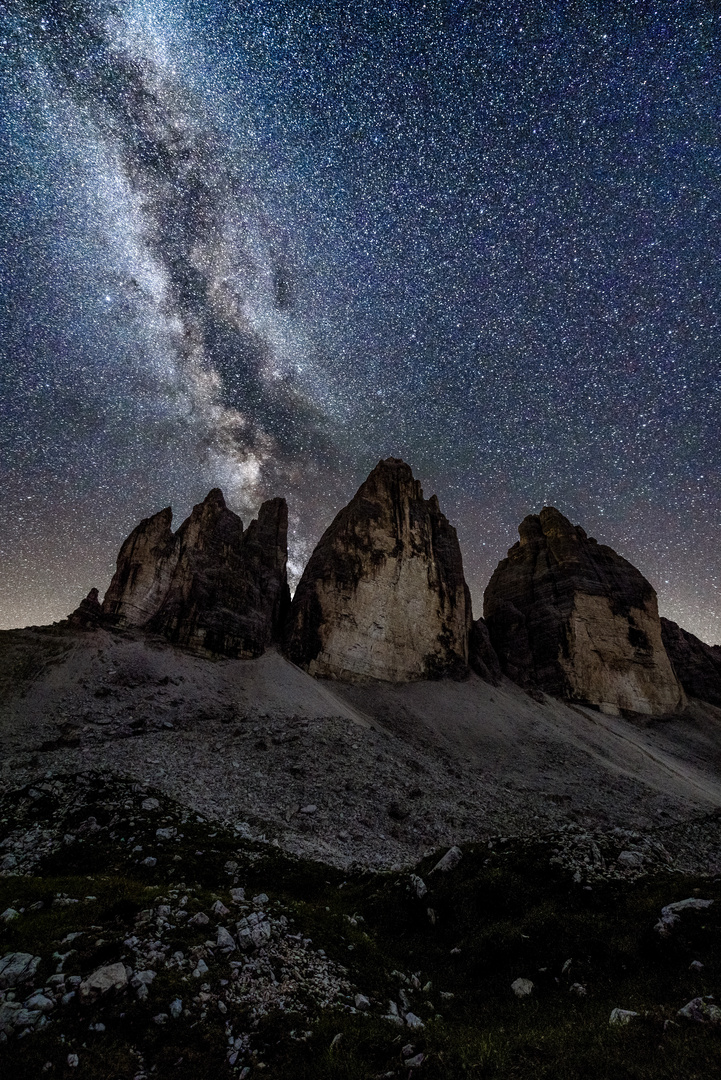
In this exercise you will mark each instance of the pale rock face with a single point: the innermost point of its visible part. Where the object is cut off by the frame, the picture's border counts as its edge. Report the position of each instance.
(383, 595)
(572, 617)
(603, 666)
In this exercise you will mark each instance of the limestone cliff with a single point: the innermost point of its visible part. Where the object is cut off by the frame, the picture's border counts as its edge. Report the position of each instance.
(209, 585)
(572, 617)
(697, 664)
(383, 595)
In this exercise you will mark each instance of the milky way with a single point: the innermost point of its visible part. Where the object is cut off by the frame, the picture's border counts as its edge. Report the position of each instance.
(262, 245)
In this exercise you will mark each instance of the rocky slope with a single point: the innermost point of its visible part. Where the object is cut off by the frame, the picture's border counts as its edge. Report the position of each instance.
(383, 595)
(210, 585)
(697, 664)
(570, 616)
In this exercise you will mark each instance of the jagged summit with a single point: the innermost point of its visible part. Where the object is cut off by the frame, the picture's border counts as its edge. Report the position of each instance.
(210, 584)
(572, 617)
(383, 595)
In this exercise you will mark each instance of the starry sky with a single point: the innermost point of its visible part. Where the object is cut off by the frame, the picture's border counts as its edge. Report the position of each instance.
(261, 245)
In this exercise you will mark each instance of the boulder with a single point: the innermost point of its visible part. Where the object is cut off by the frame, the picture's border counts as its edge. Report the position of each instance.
(569, 616)
(210, 585)
(16, 968)
(383, 595)
(697, 665)
(109, 977)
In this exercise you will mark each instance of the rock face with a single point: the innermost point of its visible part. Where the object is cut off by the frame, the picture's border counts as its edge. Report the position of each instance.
(572, 617)
(209, 585)
(88, 614)
(383, 595)
(697, 664)
(482, 657)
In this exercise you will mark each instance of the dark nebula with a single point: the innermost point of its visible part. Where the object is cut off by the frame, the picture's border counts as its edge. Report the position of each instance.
(261, 245)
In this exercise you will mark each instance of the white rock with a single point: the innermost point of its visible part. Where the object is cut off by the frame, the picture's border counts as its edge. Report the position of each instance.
(9, 914)
(201, 919)
(414, 1062)
(696, 965)
(17, 967)
(73, 1061)
(150, 804)
(109, 977)
(260, 899)
(220, 909)
(622, 1016)
(165, 834)
(419, 886)
(522, 987)
(150, 861)
(449, 861)
(160, 1019)
(362, 1003)
(414, 1022)
(201, 968)
(237, 895)
(578, 989)
(176, 1008)
(309, 809)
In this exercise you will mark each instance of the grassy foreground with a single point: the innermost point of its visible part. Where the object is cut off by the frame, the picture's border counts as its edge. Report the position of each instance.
(506, 911)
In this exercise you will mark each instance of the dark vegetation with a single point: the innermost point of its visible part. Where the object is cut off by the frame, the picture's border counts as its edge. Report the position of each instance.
(504, 912)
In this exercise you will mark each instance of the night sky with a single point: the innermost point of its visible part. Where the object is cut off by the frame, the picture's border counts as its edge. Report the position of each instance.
(262, 245)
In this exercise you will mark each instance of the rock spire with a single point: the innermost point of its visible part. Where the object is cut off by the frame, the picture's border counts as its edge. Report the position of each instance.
(570, 616)
(210, 585)
(383, 595)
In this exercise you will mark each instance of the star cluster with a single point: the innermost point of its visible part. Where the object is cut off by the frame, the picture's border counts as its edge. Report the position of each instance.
(261, 245)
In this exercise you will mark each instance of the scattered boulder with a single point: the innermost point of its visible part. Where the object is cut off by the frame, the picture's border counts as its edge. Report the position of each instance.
(701, 1011)
(522, 988)
(571, 617)
(210, 585)
(622, 1016)
(109, 977)
(383, 595)
(697, 665)
(16, 968)
(671, 914)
